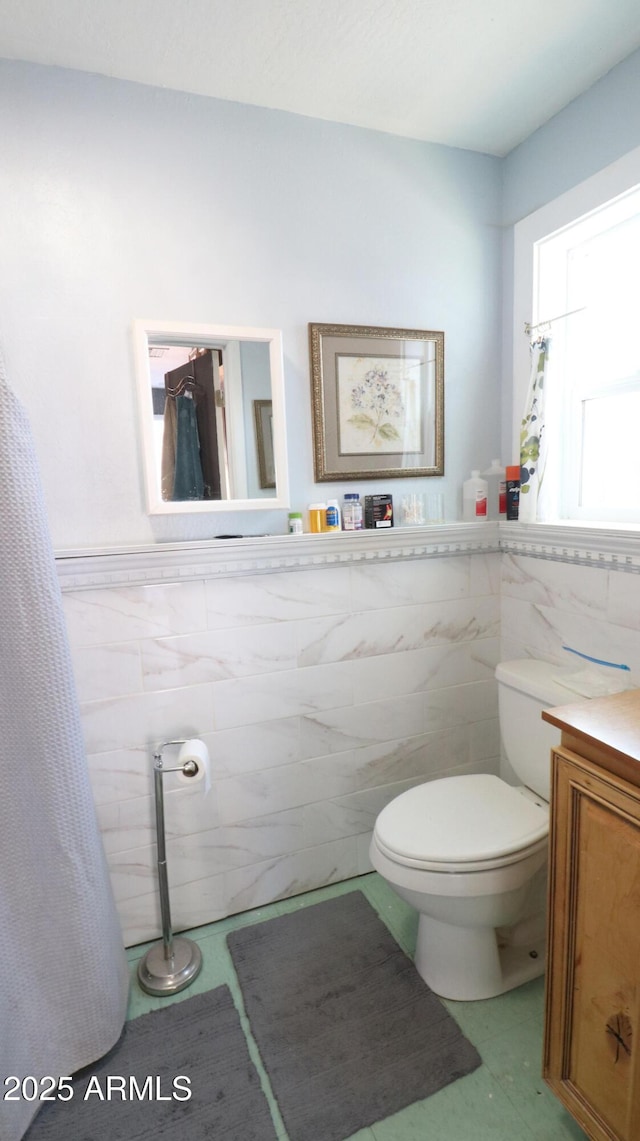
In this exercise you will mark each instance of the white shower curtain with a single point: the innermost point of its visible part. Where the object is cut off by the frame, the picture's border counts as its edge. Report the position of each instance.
(63, 971)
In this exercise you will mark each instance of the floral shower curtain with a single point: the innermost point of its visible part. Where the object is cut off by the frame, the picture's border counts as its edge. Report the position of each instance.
(533, 451)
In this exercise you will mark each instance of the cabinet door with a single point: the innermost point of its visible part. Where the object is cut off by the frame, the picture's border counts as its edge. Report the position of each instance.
(593, 971)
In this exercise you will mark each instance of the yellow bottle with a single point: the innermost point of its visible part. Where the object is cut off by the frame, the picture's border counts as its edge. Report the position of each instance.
(317, 517)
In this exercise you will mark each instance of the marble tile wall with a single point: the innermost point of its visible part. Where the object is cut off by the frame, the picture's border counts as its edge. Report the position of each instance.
(321, 694)
(547, 604)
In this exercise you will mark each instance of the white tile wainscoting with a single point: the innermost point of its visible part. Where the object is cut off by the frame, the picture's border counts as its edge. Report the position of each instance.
(326, 674)
(571, 586)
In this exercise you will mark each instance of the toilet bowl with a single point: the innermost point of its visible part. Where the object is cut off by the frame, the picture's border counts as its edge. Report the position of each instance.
(470, 852)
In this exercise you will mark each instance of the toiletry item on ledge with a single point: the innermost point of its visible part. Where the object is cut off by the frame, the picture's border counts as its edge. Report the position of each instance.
(295, 523)
(474, 498)
(378, 511)
(352, 512)
(496, 490)
(513, 491)
(332, 517)
(317, 517)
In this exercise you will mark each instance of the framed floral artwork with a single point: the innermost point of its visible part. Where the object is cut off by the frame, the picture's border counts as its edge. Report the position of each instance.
(378, 402)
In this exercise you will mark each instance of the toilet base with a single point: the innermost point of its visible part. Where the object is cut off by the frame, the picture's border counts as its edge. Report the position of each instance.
(467, 963)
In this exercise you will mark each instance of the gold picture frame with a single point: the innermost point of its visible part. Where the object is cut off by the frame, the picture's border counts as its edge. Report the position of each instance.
(263, 420)
(378, 402)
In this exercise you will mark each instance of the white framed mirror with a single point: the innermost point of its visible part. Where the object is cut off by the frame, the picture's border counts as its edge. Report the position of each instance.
(212, 417)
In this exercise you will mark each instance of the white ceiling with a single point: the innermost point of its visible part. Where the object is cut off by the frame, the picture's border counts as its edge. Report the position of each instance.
(479, 74)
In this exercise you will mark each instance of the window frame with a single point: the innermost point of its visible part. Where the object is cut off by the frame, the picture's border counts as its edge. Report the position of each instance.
(583, 203)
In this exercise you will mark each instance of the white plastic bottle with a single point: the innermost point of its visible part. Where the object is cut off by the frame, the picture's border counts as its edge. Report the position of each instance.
(474, 498)
(352, 512)
(496, 478)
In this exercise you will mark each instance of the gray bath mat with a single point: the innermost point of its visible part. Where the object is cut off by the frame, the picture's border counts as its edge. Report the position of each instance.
(200, 1038)
(348, 1031)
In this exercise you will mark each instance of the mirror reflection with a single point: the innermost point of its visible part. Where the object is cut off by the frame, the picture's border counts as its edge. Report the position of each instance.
(212, 417)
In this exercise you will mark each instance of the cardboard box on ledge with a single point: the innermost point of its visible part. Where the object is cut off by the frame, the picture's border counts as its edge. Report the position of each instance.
(378, 511)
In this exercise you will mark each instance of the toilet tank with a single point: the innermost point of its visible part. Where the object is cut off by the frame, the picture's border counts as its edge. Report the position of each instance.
(525, 688)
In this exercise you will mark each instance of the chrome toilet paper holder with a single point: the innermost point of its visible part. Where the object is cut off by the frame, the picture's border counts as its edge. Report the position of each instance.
(173, 964)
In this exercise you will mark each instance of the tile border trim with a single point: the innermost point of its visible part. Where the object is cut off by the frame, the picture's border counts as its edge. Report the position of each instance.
(184, 562)
(608, 549)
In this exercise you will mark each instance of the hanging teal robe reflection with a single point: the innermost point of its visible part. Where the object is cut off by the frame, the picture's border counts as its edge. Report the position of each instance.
(188, 481)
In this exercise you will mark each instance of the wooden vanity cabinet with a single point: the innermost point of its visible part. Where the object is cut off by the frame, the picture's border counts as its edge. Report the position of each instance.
(592, 1024)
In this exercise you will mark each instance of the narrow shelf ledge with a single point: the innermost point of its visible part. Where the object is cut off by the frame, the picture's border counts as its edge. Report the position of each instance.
(267, 554)
(264, 554)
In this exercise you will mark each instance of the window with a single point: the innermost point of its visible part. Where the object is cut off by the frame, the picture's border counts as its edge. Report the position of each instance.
(590, 271)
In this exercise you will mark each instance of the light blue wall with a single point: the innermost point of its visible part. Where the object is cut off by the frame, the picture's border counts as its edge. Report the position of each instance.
(120, 201)
(595, 129)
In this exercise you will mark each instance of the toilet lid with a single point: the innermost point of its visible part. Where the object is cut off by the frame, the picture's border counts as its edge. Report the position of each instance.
(460, 819)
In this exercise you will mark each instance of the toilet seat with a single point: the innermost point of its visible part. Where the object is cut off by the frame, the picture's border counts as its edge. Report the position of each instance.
(462, 824)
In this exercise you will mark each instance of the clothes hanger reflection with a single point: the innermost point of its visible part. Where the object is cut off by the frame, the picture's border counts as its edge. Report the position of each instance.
(185, 387)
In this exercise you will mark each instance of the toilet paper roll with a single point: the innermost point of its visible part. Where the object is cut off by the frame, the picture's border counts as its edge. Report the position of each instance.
(196, 751)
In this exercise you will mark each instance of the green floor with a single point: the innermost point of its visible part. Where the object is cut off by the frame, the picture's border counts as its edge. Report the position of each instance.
(504, 1098)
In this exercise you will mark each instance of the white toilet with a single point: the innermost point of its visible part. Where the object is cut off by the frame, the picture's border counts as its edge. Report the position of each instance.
(470, 852)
